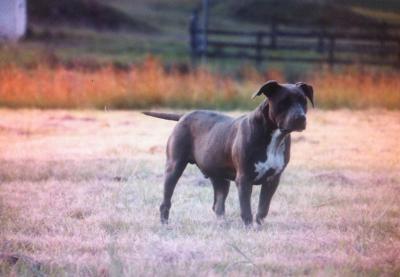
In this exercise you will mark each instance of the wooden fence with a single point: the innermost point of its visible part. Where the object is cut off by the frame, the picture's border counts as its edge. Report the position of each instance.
(376, 45)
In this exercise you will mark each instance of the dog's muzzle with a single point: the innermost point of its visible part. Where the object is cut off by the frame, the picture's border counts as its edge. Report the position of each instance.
(299, 122)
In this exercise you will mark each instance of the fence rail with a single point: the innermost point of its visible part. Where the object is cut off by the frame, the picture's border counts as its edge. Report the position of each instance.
(378, 45)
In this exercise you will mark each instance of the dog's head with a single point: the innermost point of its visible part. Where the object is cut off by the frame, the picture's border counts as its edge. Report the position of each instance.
(287, 104)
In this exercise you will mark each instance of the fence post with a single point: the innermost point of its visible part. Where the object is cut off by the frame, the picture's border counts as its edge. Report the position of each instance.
(398, 54)
(259, 38)
(321, 41)
(273, 34)
(382, 38)
(331, 58)
(205, 7)
(193, 31)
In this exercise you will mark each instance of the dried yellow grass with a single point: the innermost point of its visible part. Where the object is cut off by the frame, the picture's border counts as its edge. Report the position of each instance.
(80, 192)
(358, 89)
(150, 84)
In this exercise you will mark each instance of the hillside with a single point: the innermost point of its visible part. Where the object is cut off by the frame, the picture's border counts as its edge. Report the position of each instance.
(311, 12)
(122, 31)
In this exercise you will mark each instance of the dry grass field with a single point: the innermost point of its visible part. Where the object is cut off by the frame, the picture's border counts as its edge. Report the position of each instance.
(150, 84)
(80, 190)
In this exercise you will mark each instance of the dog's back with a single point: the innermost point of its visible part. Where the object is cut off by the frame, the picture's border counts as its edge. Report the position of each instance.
(210, 135)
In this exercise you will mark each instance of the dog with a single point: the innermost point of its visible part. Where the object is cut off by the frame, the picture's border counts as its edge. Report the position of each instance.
(253, 149)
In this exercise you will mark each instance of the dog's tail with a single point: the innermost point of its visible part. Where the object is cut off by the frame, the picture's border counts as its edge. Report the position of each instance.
(167, 116)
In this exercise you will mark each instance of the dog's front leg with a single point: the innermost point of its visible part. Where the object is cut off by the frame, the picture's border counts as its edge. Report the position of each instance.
(245, 188)
(267, 191)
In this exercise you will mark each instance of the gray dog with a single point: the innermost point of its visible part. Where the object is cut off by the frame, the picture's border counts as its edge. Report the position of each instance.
(251, 150)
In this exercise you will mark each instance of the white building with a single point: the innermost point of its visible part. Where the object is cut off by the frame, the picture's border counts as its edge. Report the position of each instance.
(12, 19)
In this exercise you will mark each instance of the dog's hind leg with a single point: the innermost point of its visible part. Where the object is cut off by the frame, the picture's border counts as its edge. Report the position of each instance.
(221, 190)
(178, 147)
(173, 172)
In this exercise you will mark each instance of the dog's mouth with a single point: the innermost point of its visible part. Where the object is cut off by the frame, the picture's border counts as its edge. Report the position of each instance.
(284, 131)
(295, 126)
(294, 129)
(299, 129)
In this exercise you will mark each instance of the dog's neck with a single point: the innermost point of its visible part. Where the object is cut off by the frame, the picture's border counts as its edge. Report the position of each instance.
(260, 116)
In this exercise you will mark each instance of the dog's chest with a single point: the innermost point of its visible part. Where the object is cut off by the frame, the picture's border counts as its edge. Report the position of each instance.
(274, 160)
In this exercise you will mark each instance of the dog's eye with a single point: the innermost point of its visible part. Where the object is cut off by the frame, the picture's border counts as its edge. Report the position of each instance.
(303, 101)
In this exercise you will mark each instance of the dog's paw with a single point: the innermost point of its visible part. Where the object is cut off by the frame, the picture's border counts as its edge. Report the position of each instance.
(259, 220)
(163, 220)
(248, 223)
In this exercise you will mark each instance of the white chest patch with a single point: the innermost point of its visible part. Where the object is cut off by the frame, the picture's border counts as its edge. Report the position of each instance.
(275, 156)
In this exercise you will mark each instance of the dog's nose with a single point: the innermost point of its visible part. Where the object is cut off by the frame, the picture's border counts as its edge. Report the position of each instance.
(301, 118)
(299, 121)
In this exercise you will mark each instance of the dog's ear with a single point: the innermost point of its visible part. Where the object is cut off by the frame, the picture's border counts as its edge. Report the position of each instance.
(268, 89)
(308, 91)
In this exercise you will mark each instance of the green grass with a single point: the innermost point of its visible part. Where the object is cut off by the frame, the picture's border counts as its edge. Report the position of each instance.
(71, 42)
(389, 16)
